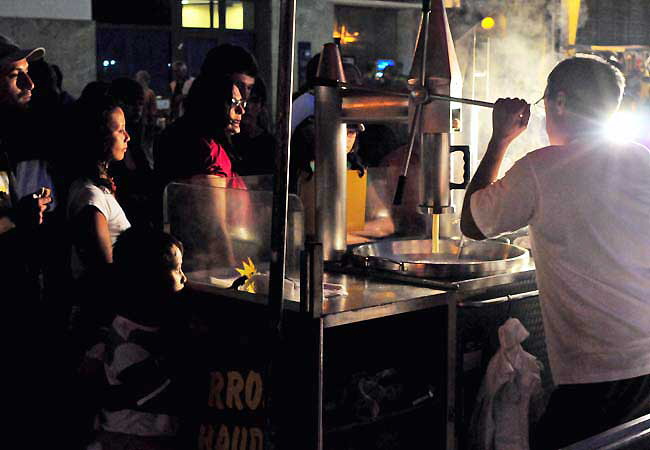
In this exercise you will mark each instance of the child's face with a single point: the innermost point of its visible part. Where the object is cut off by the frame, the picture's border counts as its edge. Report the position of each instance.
(176, 278)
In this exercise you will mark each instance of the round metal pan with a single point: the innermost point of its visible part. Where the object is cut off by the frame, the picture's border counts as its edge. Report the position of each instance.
(415, 258)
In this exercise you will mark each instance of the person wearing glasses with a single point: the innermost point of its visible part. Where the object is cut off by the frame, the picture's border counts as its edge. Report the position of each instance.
(197, 149)
(199, 143)
(586, 201)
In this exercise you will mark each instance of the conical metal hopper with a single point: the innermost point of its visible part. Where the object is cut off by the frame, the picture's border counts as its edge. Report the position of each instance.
(435, 70)
(441, 68)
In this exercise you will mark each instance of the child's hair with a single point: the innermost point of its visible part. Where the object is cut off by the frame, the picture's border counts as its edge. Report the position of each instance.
(143, 252)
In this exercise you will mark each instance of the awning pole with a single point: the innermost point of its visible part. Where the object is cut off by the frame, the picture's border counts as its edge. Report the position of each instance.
(281, 179)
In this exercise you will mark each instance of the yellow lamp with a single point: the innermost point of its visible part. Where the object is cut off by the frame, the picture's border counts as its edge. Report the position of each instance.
(488, 23)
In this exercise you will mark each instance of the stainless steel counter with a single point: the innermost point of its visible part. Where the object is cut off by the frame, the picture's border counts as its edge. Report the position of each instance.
(372, 295)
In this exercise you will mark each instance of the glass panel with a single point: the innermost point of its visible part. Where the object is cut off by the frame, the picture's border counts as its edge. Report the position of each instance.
(196, 13)
(235, 15)
(381, 218)
(221, 228)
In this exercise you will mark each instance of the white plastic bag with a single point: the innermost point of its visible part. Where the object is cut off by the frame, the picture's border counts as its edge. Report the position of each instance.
(510, 394)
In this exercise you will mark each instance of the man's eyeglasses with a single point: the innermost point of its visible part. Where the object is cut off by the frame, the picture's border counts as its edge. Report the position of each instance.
(235, 103)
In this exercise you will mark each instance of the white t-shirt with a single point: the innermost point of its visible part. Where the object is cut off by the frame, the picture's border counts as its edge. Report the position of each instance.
(31, 175)
(588, 208)
(302, 108)
(84, 193)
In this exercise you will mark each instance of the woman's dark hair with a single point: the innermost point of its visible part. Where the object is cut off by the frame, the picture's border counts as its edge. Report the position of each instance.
(91, 153)
(128, 94)
(226, 59)
(208, 103)
(208, 108)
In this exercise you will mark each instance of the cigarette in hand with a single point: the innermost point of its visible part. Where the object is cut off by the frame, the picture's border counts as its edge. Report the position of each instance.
(41, 193)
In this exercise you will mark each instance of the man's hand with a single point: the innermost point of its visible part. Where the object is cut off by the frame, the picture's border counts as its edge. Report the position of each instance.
(31, 208)
(509, 119)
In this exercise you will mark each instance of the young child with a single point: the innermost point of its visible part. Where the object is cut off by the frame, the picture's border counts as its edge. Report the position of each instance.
(140, 351)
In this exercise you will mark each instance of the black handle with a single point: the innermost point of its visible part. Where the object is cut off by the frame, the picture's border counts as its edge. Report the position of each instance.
(399, 191)
(466, 165)
(426, 5)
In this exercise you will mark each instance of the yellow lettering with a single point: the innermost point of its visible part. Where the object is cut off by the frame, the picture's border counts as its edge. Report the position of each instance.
(253, 393)
(223, 440)
(236, 441)
(206, 437)
(234, 389)
(216, 387)
(257, 439)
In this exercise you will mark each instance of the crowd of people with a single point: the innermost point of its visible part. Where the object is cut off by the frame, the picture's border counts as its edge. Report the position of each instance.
(82, 251)
(91, 284)
(91, 279)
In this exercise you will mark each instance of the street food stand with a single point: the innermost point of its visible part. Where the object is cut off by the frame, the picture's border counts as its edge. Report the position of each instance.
(394, 351)
(314, 344)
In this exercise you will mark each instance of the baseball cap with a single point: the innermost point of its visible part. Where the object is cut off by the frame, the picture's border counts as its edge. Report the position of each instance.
(10, 52)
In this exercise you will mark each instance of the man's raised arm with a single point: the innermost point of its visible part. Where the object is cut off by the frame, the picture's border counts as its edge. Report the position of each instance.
(509, 120)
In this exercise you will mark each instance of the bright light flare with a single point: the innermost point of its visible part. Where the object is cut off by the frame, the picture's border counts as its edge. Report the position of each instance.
(625, 126)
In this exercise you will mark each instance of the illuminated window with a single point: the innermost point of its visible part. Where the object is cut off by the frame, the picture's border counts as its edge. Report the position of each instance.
(196, 13)
(237, 14)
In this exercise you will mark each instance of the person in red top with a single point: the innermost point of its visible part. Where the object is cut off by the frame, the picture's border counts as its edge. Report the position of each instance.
(199, 142)
(197, 149)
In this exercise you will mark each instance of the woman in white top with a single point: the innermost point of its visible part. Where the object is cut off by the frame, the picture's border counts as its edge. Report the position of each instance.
(95, 216)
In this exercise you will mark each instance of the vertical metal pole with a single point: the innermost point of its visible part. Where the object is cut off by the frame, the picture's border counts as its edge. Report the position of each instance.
(487, 68)
(279, 218)
(452, 372)
(331, 175)
(473, 134)
(281, 180)
(318, 397)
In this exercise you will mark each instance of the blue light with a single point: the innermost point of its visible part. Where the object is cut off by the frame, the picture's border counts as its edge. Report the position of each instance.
(383, 63)
(105, 63)
(112, 62)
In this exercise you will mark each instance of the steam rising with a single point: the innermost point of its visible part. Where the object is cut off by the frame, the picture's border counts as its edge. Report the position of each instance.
(512, 61)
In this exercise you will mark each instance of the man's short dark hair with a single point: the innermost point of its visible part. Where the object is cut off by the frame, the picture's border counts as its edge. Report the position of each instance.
(593, 87)
(226, 59)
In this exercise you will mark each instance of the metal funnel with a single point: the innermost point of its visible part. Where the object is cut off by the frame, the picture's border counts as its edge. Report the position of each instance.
(435, 70)
(330, 65)
(441, 68)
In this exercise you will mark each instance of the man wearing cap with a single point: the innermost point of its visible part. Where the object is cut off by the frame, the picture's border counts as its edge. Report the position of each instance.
(30, 348)
(20, 212)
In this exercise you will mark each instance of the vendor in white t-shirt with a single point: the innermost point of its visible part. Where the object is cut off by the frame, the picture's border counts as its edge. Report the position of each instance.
(586, 201)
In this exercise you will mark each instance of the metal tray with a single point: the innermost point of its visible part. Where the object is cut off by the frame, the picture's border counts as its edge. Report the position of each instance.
(414, 258)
